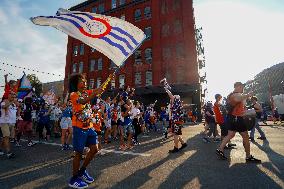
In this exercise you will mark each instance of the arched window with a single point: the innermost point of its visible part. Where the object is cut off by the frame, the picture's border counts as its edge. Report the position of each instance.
(137, 15)
(147, 12)
(81, 67)
(74, 68)
(148, 55)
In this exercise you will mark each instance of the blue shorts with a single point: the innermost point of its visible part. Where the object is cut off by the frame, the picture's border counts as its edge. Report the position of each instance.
(83, 138)
(128, 127)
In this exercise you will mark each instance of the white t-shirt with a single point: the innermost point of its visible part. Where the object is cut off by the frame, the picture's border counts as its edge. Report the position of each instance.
(134, 112)
(4, 115)
(10, 116)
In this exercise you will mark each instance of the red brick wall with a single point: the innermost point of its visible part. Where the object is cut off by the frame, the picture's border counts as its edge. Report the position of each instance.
(179, 65)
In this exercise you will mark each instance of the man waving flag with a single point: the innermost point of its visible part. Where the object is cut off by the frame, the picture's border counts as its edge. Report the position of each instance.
(115, 38)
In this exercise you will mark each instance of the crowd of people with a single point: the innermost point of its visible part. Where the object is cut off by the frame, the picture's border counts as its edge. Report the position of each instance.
(86, 120)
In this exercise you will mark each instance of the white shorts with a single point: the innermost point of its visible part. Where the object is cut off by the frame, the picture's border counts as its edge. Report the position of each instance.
(108, 123)
(66, 122)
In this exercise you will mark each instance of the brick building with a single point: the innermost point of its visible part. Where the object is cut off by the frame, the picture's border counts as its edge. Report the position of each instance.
(169, 50)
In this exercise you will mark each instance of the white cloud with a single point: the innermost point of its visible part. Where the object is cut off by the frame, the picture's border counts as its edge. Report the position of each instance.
(24, 44)
(3, 17)
(240, 41)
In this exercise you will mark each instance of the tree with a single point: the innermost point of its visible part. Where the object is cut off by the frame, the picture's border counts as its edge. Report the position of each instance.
(36, 84)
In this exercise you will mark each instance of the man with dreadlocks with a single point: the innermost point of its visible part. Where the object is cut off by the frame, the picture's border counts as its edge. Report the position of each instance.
(84, 133)
(176, 110)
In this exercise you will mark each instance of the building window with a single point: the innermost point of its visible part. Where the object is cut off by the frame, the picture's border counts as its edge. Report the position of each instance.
(137, 15)
(180, 50)
(138, 79)
(91, 84)
(138, 57)
(74, 69)
(93, 50)
(166, 53)
(112, 65)
(94, 10)
(81, 66)
(99, 82)
(121, 2)
(122, 17)
(121, 81)
(113, 4)
(148, 32)
(75, 50)
(148, 78)
(147, 12)
(165, 30)
(101, 8)
(92, 65)
(148, 55)
(81, 49)
(113, 83)
(100, 64)
(177, 27)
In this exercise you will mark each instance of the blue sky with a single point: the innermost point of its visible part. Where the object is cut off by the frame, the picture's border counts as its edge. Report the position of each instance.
(241, 38)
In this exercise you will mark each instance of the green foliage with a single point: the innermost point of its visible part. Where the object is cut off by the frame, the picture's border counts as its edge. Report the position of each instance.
(35, 82)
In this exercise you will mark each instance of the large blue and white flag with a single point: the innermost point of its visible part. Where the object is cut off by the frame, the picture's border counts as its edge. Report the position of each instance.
(115, 38)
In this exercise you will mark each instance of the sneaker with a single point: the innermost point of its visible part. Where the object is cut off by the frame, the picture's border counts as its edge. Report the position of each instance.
(18, 144)
(63, 147)
(87, 178)
(1, 153)
(221, 154)
(102, 153)
(261, 138)
(183, 146)
(30, 144)
(251, 139)
(12, 140)
(206, 140)
(77, 183)
(107, 142)
(251, 159)
(10, 155)
(174, 150)
(231, 145)
(121, 147)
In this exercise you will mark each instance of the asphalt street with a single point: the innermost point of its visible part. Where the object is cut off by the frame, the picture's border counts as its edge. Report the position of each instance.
(149, 165)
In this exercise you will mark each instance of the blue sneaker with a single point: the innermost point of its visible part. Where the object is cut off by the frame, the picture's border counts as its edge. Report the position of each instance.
(77, 183)
(87, 178)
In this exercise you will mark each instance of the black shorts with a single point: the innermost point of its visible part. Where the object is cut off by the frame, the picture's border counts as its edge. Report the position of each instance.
(176, 129)
(236, 124)
(224, 129)
(113, 122)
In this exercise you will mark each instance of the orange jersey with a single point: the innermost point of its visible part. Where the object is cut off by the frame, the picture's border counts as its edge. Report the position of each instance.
(97, 121)
(218, 115)
(77, 111)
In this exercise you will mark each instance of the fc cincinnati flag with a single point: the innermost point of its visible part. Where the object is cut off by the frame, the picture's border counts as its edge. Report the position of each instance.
(115, 38)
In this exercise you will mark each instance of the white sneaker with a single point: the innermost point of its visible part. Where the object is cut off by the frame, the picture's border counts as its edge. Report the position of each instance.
(18, 144)
(30, 144)
(1, 153)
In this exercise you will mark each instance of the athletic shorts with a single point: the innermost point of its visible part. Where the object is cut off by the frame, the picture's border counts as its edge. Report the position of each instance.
(24, 126)
(236, 124)
(66, 123)
(113, 122)
(83, 138)
(224, 129)
(7, 129)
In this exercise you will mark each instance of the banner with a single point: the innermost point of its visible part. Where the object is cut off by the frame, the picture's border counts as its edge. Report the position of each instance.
(115, 38)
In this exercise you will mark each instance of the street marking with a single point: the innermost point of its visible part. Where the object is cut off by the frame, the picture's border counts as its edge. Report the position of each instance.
(104, 150)
(126, 153)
